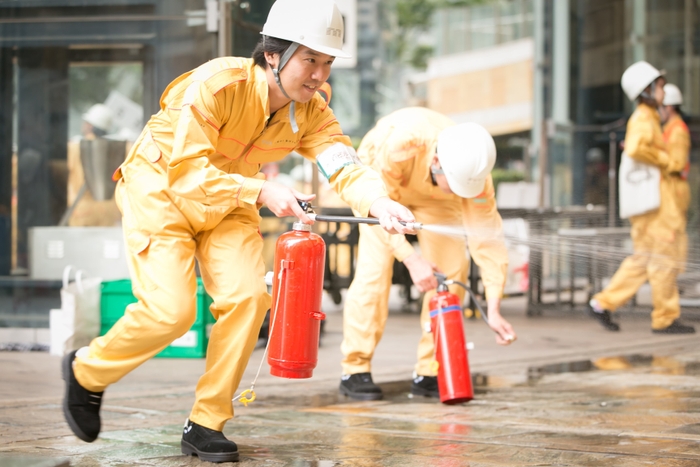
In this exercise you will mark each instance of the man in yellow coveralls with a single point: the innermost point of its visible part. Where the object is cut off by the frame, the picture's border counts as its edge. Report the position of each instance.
(656, 235)
(441, 171)
(188, 189)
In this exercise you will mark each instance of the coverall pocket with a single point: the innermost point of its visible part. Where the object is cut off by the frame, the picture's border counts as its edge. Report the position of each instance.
(138, 242)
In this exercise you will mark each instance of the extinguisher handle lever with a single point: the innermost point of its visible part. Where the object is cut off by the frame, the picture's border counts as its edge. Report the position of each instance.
(305, 206)
(441, 278)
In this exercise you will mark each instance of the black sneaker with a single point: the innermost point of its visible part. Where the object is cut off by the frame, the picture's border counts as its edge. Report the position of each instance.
(360, 386)
(80, 406)
(209, 445)
(676, 327)
(604, 318)
(425, 386)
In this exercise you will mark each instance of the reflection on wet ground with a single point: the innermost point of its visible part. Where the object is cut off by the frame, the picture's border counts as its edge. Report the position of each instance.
(629, 410)
(652, 364)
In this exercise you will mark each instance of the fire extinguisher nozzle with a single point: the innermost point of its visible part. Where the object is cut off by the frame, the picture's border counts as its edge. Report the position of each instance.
(413, 225)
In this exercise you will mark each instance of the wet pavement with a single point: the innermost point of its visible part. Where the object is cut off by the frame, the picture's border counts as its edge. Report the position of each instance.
(566, 394)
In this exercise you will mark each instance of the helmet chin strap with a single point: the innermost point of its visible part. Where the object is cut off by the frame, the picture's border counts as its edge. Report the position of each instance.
(650, 95)
(276, 72)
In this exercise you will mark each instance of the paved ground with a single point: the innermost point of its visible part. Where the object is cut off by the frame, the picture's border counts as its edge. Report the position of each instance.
(567, 393)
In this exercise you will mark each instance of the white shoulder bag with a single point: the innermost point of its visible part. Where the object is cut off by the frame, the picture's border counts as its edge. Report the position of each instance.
(639, 187)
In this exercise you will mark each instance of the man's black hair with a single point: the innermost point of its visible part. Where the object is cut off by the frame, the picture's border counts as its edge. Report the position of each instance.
(270, 45)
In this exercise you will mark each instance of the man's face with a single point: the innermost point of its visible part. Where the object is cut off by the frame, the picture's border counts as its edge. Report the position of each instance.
(304, 73)
(659, 93)
(440, 178)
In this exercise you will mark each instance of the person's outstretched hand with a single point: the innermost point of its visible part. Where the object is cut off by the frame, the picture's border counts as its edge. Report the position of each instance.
(284, 201)
(504, 331)
(389, 213)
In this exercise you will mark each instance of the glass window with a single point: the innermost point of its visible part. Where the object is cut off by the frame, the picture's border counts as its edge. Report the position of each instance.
(58, 60)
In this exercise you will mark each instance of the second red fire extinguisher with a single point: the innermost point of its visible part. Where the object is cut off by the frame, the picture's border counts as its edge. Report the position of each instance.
(295, 316)
(454, 378)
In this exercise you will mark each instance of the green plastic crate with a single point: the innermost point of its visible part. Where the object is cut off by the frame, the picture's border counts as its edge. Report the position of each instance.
(116, 295)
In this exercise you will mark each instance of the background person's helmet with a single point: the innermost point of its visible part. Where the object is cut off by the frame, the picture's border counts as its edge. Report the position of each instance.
(467, 153)
(316, 24)
(637, 77)
(99, 116)
(673, 95)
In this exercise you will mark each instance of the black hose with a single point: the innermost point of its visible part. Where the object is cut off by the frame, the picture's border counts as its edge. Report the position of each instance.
(481, 310)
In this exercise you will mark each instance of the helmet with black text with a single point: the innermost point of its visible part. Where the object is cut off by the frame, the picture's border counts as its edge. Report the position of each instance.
(316, 24)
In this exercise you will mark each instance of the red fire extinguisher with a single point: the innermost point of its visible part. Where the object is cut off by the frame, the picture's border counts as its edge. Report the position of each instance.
(295, 316)
(454, 378)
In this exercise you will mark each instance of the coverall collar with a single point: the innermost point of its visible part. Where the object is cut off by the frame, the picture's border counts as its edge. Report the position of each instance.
(283, 113)
(428, 176)
(643, 106)
(263, 89)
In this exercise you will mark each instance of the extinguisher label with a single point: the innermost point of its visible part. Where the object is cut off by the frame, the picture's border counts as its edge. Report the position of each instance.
(448, 309)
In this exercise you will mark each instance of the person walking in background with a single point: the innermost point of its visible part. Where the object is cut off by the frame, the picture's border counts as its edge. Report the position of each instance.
(677, 139)
(441, 171)
(657, 234)
(190, 188)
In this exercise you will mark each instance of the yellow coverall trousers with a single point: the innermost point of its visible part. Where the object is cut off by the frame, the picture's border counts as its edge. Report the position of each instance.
(164, 234)
(653, 260)
(367, 300)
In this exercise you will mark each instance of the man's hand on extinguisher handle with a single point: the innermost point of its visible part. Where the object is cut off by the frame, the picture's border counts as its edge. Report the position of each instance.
(284, 201)
(422, 272)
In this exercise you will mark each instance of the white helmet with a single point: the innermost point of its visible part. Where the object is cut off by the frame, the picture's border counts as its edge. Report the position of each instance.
(637, 77)
(673, 95)
(316, 24)
(467, 153)
(99, 116)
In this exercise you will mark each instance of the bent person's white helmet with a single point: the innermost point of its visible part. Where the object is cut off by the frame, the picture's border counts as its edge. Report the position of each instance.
(316, 24)
(673, 95)
(99, 116)
(467, 153)
(637, 77)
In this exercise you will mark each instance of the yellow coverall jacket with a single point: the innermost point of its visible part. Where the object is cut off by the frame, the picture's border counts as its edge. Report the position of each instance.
(677, 138)
(401, 147)
(188, 189)
(656, 235)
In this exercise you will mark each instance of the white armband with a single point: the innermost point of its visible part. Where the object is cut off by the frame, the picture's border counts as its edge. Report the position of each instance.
(335, 158)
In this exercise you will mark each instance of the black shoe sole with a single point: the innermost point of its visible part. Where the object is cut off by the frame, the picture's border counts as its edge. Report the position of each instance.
(424, 392)
(66, 371)
(600, 318)
(361, 396)
(189, 450)
(667, 332)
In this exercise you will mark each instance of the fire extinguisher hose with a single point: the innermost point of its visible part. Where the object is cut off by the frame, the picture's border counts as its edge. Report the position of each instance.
(484, 315)
(248, 395)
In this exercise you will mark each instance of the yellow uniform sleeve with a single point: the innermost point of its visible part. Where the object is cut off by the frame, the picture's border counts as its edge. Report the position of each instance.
(397, 171)
(643, 141)
(485, 239)
(196, 132)
(678, 149)
(395, 158)
(358, 185)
